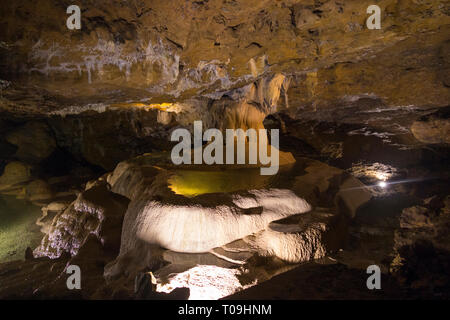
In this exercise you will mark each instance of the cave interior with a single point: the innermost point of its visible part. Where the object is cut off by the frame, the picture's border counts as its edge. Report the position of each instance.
(117, 153)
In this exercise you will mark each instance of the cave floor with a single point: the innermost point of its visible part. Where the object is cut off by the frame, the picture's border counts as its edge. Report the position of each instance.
(339, 275)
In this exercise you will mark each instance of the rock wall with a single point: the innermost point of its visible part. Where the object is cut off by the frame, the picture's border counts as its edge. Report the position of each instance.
(175, 50)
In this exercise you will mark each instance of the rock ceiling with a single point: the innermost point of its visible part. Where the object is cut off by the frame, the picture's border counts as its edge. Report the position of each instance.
(165, 51)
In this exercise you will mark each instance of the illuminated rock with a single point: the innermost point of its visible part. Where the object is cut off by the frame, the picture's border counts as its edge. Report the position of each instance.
(299, 238)
(48, 213)
(39, 191)
(15, 176)
(34, 140)
(96, 211)
(352, 195)
(290, 243)
(204, 282)
(434, 128)
(208, 223)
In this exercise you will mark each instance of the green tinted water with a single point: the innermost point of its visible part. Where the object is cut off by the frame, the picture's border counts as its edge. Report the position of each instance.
(17, 228)
(191, 183)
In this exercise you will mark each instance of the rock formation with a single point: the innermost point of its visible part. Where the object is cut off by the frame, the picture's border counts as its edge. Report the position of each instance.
(87, 115)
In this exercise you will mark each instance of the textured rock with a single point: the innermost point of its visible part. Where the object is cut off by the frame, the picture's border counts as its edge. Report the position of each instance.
(302, 238)
(415, 217)
(156, 218)
(34, 140)
(128, 51)
(355, 98)
(48, 213)
(106, 138)
(39, 191)
(147, 216)
(421, 247)
(434, 128)
(291, 243)
(14, 177)
(97, 212)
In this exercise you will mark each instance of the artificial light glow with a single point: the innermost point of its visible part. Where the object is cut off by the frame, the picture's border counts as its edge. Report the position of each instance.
(382, 184)
(205, 282)
(382, 176)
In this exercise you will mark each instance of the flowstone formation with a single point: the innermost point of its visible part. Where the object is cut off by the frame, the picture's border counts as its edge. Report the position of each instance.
(358, 117)
(197, 239)
(224, 229)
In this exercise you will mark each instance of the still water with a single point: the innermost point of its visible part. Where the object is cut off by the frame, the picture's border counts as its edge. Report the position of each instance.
(17, 228)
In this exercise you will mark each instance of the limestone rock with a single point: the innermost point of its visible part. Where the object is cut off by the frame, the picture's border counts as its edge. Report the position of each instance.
(291, 243)
(319, 183)
(34, 140)
(415, 217)
(127, 50)
(352, 195)
(95, 211)
(301, 238)
(207, 224)
(227, 230)
(39, 191)
(14, 177)
(434, 128)
(48, 213)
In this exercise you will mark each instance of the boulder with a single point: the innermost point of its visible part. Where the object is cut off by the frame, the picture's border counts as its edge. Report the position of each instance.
(96, 212)
(301, 238)
(34, 140)
(415, 217)
(48, 213)
(352, 195)
(39, 191)
(434, 128)
(320, 182)
(15, 175)
(202, 224)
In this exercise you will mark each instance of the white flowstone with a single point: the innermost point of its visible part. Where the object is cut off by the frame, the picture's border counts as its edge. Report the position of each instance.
(291, 243)
(196, 229)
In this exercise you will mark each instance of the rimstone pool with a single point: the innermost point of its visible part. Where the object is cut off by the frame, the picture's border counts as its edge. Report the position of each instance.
(196, 182)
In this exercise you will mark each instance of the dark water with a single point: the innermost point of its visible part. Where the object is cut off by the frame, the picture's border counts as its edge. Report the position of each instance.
(17, 228)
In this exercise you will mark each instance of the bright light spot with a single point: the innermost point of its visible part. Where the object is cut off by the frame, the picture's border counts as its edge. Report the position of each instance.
(382, 175)
(382, 184)
(205, 282)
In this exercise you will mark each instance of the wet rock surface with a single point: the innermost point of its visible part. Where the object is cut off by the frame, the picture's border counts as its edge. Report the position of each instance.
(85, 123)
(95, 212)
(434, 128)
(126, 50)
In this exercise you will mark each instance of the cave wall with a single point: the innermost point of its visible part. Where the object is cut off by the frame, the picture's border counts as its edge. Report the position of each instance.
(167, 50)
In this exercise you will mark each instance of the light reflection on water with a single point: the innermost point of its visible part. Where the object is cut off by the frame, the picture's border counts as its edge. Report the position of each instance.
(191, 183)
(194, 182)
